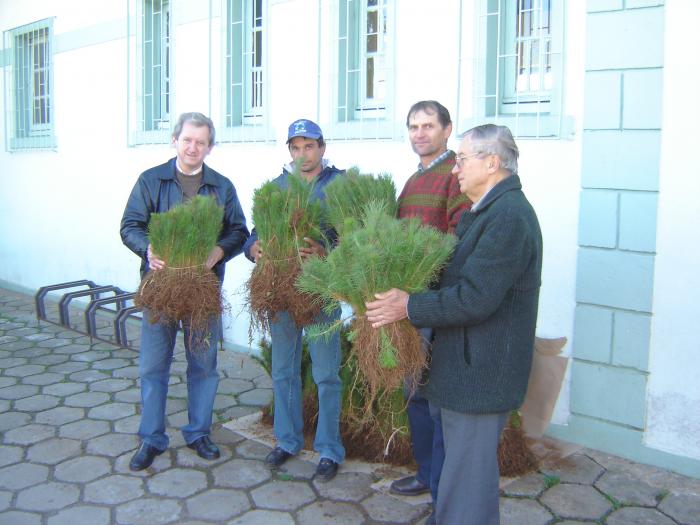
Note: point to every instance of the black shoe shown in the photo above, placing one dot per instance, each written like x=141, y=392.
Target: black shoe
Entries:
x=326, y=470
x=278, y=456
x=205, y=448
x=144, y=456
x=408, y=486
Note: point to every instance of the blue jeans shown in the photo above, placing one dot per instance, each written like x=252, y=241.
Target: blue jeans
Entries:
x=426, y=431
x=426, y=438
x=286, y=382
x=155, y=357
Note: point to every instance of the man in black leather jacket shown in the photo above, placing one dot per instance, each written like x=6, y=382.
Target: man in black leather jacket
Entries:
x=157, y=190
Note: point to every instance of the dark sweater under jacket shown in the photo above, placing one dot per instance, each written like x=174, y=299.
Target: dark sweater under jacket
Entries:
x=485, y=311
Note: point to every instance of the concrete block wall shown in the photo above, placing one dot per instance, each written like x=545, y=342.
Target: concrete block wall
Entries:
x=617, y=223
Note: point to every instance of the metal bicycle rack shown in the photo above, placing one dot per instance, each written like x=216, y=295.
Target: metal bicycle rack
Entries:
x=123, y=308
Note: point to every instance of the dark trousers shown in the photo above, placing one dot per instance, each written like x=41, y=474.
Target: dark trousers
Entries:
x=426, y=438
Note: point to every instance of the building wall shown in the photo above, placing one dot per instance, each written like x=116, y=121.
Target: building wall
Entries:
x=60, y=210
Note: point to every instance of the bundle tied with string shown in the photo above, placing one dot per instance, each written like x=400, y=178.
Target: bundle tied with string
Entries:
x=378, y=252
x=185, y=290
x=283, y=216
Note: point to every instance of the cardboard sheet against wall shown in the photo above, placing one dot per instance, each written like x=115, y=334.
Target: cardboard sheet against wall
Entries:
x=546, y=376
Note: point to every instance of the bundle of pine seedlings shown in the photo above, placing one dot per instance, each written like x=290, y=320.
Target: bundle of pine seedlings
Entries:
x=348, y=195
x=383, y=253
x=283, y=216
x=185, y=290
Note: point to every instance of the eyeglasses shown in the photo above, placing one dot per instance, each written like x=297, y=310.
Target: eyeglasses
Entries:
x=461, y=158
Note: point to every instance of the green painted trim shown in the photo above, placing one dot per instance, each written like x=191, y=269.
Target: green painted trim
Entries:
x=621, y=441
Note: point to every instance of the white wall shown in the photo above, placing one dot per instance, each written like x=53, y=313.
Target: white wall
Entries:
x=673, y=402
x=60, y=210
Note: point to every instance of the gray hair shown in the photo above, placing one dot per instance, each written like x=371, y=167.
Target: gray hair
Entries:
x=490, y=139
x=196, y=119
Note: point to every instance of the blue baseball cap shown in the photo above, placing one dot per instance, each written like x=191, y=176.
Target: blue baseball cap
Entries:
x=304, y=128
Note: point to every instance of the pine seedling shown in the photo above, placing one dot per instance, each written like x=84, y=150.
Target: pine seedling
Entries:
x=347, y=196
x=283, y=216
x=185, y=290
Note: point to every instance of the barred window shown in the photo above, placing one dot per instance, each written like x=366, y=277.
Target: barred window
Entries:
x=245, y=37
x=365, y=65
x=29, y=116
x=150, y=87
x=519, y=66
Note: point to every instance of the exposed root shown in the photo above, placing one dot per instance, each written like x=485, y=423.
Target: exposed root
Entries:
x=515, y=457
x=271, y=290
x=191, y=295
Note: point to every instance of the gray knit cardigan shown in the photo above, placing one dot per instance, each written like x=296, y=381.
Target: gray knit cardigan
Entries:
x=485, y=311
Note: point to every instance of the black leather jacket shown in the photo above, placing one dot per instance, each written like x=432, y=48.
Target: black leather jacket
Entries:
x=157, y=190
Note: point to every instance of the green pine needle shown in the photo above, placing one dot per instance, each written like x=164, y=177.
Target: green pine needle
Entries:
x=348, y=195
x=384, y=253
x=284, y=216
x=185, y=235
x=387, y=353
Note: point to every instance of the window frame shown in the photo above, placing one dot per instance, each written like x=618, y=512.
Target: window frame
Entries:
x=535, y=115
x=245, y=73
x=146, y=124
x=350, y=115
x=22, y=131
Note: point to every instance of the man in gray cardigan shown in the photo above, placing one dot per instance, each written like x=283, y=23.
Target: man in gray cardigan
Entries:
x=484, y=315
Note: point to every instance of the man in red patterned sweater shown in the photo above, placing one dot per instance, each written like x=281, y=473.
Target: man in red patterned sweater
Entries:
x=432, y=193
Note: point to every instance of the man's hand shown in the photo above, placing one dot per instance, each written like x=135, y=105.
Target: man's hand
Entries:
x=256, y=251
x=215, y=256
x=390, y=306
x=314, y=248
x=154, y=262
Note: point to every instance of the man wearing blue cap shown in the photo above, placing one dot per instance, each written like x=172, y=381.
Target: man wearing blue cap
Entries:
x=305, y=141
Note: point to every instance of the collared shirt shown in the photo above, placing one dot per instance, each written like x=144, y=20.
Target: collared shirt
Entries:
x=177, y=165
x=437, y=160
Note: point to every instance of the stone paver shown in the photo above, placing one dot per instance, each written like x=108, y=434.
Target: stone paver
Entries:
x=114, y=489
x=268, y=517
x=346, y=486
x=48, y=496
x=218, y=504
x=240, y=473
x=684, y=508
x=515, y=511
x=69, y=414
x=148, y=511
x=382, y=507
x=177, y=483
x=29, y=434
x=82, y=469
x=638, y=516
x=627, y=489
x=53, y=451
x=282, y=495
x=36, y=403
x=331, y=513
x=576, y=501
x=81, y=515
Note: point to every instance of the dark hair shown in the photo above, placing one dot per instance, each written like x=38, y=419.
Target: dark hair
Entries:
x=320, y=141
x=431, y=107
x=196, y=119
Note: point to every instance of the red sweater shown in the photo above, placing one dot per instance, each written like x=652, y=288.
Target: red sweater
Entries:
x=433, y=195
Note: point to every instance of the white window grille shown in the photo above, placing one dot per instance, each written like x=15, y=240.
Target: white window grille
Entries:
x=151, y=71
x=29, y=114
x=519, y=70
x=365, y=65
x=245, y=48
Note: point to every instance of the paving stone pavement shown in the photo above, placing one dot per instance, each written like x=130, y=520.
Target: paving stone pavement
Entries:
x=69, y=410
